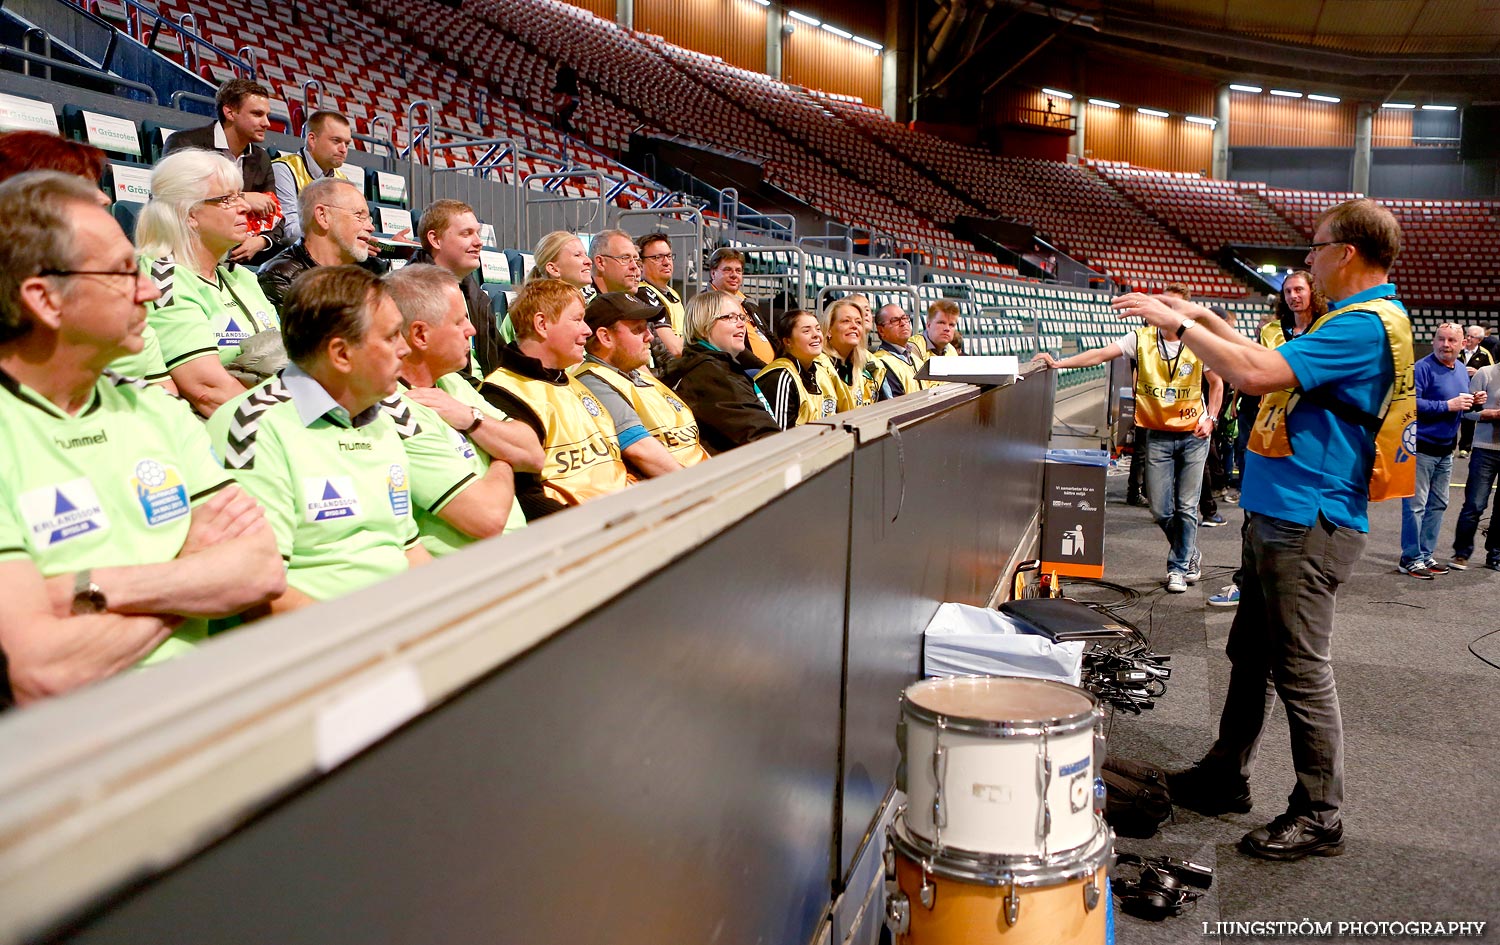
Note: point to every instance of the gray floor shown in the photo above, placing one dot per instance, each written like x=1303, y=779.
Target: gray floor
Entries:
x=1422, y=729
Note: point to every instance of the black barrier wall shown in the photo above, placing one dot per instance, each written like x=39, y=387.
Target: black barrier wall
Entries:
x=695, y=759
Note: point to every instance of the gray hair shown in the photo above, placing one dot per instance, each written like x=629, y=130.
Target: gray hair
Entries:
x=36, y=233
x=319, y=193
x=420, y=292
x=601, y=240
x=178, y=183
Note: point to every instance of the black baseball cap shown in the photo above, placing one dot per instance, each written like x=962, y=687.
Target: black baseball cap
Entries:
x=610, y=307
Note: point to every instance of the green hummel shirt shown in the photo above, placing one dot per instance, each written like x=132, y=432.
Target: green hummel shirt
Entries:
x=112, y=486
x=445, y=462
x=335, y=488
x=147, y=364
x=194, y=318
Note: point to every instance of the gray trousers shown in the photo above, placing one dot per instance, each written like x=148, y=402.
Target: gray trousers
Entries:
x=1283, y=631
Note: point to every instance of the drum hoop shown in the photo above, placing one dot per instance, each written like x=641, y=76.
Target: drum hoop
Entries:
x=993, y=869
x=1008, y=728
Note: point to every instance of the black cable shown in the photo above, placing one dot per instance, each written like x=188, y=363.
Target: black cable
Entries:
x=1476, y=652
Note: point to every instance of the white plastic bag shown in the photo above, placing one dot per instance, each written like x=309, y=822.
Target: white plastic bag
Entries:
x=972, y=641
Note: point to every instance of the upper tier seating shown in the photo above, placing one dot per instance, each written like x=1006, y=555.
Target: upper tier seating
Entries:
x=1208, y=213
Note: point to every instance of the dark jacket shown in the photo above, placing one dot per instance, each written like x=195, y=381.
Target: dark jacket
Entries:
x=1479, y=359
x=721, y=396
x=276, y=276
x=258, y=177
x=487, y=340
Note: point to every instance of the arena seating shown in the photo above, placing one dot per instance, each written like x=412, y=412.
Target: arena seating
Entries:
x=1207, y=213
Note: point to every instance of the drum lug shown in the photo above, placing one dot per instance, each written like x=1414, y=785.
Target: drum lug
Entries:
x=1012, y=906
x=1091, y=893
x=927, y=893
x=898, y=913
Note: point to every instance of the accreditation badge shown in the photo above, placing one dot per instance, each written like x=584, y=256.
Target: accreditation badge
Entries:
x=160, y=491
x=398, y=490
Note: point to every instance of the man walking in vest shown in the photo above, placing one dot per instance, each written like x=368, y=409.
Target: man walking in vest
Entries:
x=1169, y=401
x=1337, y=407
x=323, y=153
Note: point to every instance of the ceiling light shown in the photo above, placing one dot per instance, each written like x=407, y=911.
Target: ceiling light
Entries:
x=764, y=3
x=862, y=41
x=803, y=18
x=1202, y=121
x=1285, y=94
x=1153, y=113
x=1246, y=88
x=1406, y=105
x=1056, y=94
x=1333, y=99
x=838, y=32
x=1102, y=103
x=1439, y=108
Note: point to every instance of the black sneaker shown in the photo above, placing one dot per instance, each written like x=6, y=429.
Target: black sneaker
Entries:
x=1293, y=836
x=1214, y=521
x=1436, y=568
x=1209, y=791
x=1416, y=569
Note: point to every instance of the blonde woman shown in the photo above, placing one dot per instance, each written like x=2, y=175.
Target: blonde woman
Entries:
x=197, y=214
x=861, y=376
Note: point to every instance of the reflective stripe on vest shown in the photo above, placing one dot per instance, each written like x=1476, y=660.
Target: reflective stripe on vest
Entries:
x=663, y=415
x=298, y=168
x=582, y=450
x=1394, y=474
x=1166, y=403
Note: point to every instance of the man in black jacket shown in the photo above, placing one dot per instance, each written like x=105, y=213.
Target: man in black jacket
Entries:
x=244, y=109
x=336, y=232
x=450, y=237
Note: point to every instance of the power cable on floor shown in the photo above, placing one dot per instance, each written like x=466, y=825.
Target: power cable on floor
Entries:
x=1476, y=652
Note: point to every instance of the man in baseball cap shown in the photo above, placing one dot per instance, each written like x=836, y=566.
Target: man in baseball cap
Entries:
x=657, y=431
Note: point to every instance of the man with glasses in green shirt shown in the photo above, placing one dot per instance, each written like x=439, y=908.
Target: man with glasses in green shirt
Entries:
x=119, y=534
x=315, y=447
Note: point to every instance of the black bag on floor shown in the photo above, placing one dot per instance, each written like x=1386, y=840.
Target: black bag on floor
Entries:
x=1136, y=799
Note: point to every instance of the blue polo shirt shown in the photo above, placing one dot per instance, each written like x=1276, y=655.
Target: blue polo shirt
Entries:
x=1328, y=472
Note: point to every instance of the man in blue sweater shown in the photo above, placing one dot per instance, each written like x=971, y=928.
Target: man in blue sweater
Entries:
x=1442, y=397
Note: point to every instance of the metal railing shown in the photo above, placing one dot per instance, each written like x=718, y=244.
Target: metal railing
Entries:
x=69, y=67
x=548, y=197
x=762, y=278
x=135, y=11
x=697, y=235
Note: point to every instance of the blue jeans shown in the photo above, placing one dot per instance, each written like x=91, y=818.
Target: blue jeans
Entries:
x=1422, y=513
x=1174, y=479
x=1484, y=465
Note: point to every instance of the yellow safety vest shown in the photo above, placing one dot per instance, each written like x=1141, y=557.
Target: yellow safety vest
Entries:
x=865, y=388
x=582, y=451
x=1272, y=335
x=664, y=416
x=817, y=406
x=924, y=353
x=299, y=170
x=1168, y=392
x=905, y=373
x=1394, y=474
x=673, y=304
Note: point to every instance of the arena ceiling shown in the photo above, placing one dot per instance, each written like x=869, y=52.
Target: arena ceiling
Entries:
x=1375, y=49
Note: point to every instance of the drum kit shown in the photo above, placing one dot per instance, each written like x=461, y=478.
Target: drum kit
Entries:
x=1001, y=838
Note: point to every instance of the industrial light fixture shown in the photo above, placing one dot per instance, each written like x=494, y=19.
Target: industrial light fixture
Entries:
x=1285, y=94
x=862, y=41
x=1439, y=108
x=1056, y=94
x=1332, y=99
x=1253, y=89
x=1102, y=103
x=1408, y=106
x=1153, y=113
x=838, y=32
x=764, y=3
x=803, y=18
x=1210, y=122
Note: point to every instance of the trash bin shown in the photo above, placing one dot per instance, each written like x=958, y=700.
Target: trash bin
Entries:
x=1073, y=514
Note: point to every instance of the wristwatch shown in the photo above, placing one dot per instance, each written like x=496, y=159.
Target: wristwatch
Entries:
x=478, y=419
x=88, y=597
x=1186, y=324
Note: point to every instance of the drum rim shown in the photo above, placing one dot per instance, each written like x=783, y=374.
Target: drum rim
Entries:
x=1057, y=725
x=993, y=869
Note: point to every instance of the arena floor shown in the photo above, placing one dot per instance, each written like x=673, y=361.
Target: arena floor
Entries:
x=1422, y=729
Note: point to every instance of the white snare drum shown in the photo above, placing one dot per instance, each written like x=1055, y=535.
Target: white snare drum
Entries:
x=1001, y=765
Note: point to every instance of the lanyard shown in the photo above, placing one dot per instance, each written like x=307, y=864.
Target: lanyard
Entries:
x=224, y=284
x=1161, y=349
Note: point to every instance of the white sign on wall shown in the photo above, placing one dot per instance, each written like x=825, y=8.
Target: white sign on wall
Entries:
x=130, y=184
x=109, y=133
x=25, y=114
x=390, y=188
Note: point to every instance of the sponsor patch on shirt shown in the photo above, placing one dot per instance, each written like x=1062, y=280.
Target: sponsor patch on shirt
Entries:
x=461, y=444
x=398, y=490
x=232, y=336
x=160, y=491
x=61, y=512
x=330, y=497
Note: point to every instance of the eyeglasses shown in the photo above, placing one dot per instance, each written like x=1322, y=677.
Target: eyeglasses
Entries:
x=898, y=320
x=131, y=273
x=737, y=317
x=1316, y=246
x=626, y=260
x=225, y=201
x=657, y=256
x=727, y=271
x=362, y=216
